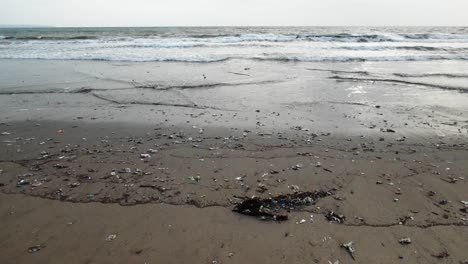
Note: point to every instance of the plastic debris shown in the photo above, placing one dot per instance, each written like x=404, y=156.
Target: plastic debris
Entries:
x=388, y=130
x=35, y=249
x=145, y=156
x=196, y=178
x=405, y=241
x=335, y=218
x=22, y=182
x=74, y=185
x=60, y=131
x=111, y=237
x=349, y=247
x=297, y=166
x=5, y=133
x=276, y=208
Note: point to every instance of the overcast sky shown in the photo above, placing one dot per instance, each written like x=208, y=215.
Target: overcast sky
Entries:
x=234, y=12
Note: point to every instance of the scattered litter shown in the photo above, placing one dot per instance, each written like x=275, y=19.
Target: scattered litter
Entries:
x=35, y=249
x=196, y=178
x=450, y=180
x=261, y=188
x=22, y=182
x=111, y=237
x=405, y=241
x=60, y=131
x=297, y=166
x=334, y=217
x=349, y=247
x=402, y=220
x=74, y=185
x=302, y=221
x=145, y=156
x=60, y=166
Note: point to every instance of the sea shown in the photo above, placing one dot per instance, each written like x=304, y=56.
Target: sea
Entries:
x=215, y=44
x=326, y=75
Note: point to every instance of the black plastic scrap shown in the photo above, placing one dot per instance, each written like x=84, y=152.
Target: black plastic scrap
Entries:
x=274, y=208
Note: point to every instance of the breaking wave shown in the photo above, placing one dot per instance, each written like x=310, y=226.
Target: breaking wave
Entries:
x=264, y=58
x=256, y=37
x=207, y=45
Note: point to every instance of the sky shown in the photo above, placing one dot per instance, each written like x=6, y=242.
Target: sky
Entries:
x=234, y=12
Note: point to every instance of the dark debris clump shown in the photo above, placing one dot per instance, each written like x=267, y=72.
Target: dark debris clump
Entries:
x=275, y=208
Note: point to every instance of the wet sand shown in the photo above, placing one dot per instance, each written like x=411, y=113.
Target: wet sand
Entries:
x=391, y=157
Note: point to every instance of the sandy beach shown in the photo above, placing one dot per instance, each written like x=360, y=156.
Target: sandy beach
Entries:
x=119, y=162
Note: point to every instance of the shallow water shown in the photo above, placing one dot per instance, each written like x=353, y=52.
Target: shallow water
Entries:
x=329, y=78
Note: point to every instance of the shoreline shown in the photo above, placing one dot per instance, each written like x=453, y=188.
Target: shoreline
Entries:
x=391, y=160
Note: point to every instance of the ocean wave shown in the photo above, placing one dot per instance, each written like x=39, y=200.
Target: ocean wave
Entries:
x=256, y=58
x=49, y=37
x=434, y=36
x=345, y=37
x=213, y=35
x=416, y=48
x=117, y=59
x=358, y=59
x=423, y=75
x=259, y=37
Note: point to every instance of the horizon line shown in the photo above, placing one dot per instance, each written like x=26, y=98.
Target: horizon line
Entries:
x=212, y=26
